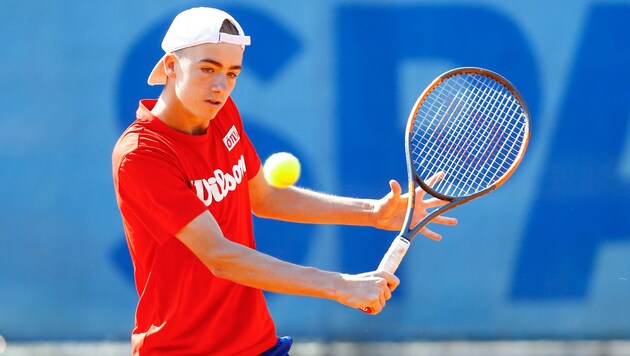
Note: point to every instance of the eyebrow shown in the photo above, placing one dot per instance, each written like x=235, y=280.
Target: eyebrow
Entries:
x=218, y=64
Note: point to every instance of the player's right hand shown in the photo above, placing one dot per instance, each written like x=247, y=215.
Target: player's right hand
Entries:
x=367, y=290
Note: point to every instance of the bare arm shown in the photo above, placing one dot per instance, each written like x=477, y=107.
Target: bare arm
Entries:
x=302, y=205
x=240, y=264
x=306, y=206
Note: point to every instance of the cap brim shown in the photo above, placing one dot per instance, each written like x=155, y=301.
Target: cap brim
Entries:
x=158, y=76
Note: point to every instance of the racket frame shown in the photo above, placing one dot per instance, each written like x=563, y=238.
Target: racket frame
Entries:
x=412, y=174
x=398, y=248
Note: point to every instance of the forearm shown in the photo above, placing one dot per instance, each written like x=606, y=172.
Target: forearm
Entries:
x=243, y=265
x=301, y=205
x=249, y=267
x=306, y=206
x=240, y=264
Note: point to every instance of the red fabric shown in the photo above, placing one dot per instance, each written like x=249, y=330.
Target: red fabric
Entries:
x=164, y=179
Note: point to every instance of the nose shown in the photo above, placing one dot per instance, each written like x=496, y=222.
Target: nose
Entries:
x=219, y=83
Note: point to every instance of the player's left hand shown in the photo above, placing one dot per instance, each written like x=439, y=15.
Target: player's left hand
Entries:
x=390, y=210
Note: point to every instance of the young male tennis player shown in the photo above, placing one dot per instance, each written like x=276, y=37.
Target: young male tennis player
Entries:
x=187, y=180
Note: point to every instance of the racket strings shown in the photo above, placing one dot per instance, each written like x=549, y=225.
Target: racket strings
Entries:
x=474, y=132
x=471, y=128
x=451, y=162
x=492, y=142
x=462, y=126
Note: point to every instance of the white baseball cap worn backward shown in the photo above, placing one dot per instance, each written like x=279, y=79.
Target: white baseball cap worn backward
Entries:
x=193, y=27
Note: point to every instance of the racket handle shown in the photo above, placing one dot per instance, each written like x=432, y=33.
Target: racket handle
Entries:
x=391, y=261
x=394, y=255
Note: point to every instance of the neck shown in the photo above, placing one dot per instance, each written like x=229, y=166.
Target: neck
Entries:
x=174, y=115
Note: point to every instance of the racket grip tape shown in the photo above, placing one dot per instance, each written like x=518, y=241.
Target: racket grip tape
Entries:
x=391, y=261
x=394, y=255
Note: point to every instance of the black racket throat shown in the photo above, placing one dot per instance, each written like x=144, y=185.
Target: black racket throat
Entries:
x=409, y=233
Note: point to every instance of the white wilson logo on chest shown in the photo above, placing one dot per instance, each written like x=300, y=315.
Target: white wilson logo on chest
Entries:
x=218, y=186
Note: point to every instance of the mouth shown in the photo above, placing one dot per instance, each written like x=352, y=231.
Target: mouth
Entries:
x=214, y=102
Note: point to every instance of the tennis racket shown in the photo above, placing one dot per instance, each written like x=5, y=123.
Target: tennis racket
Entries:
x=466, y=134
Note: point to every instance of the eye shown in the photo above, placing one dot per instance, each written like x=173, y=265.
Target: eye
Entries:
x=233, y=75
x=207, y=69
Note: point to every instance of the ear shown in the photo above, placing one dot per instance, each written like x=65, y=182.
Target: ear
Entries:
x=169, y=65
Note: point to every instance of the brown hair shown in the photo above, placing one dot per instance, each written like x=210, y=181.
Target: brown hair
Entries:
x=228, y=27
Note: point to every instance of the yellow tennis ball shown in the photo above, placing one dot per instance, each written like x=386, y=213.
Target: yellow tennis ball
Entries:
x=282, y=169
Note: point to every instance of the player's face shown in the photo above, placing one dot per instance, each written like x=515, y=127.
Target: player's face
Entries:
x=205, y=76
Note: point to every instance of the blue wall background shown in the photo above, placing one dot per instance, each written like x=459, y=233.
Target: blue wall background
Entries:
x=546, y=256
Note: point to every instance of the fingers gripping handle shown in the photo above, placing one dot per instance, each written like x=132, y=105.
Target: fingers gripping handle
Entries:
x=391, y=260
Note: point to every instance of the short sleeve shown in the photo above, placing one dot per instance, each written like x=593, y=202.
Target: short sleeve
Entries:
x=154, y=192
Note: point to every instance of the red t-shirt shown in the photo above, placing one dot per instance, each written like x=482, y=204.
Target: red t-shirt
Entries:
x=164, y=179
